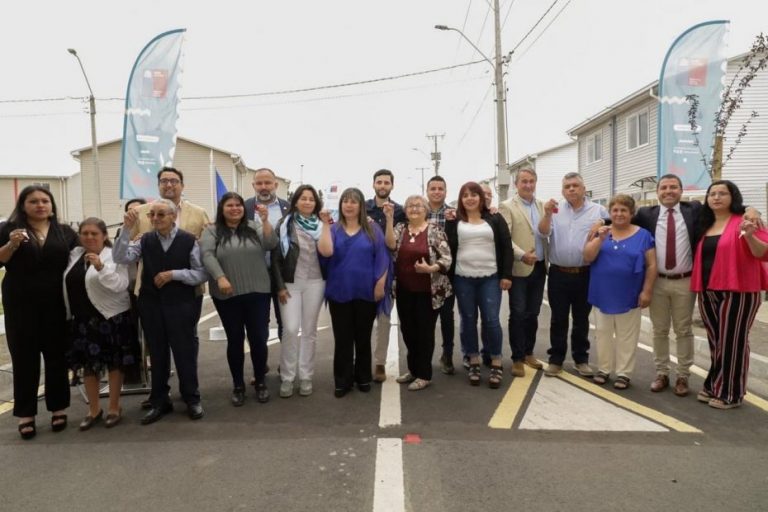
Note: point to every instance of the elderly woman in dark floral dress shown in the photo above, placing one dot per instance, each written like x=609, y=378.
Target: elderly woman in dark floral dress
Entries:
x=422, y=259
x=98, y=305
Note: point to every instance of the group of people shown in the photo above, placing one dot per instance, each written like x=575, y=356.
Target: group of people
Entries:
x=72, y=297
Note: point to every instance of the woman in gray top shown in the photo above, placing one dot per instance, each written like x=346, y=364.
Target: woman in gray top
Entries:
x=234, y=250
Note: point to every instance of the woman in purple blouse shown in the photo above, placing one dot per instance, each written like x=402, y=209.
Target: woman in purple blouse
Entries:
x=358, y=265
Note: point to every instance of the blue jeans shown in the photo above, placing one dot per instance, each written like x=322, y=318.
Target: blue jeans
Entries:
x=483, y=294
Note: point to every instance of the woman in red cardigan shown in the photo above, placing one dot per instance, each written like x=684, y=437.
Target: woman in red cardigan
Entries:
x=728, y=276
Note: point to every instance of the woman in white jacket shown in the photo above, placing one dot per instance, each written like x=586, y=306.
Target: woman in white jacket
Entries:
x=96, y=296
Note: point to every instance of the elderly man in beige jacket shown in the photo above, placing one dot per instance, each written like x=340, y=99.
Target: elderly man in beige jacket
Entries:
x=522, y=213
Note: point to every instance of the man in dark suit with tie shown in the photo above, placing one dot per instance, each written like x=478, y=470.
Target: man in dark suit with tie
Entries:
x=674, y=225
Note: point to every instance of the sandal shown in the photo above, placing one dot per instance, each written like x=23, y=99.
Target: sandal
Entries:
x=496, y=377
x=704, y=396
x=600, y=378
x=719, y=403
x=27, y=430
x=474, y=374
x=58, y=422
x=622, y=382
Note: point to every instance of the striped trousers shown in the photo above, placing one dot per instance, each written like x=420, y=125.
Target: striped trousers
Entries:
x=728, y=317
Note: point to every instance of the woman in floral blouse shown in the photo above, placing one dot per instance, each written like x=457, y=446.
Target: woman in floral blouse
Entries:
x=422, y=258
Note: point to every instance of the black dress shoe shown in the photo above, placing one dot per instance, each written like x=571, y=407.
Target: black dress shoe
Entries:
x=156, y=413
x=146, y=404
x=195, y=411
x=238, y=397
x=340, y=392
x=262, y=393
x=365, y=388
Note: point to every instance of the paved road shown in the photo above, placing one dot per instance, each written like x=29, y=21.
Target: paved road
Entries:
x=536, y=444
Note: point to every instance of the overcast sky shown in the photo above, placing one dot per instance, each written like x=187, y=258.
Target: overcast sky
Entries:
x=594, y=53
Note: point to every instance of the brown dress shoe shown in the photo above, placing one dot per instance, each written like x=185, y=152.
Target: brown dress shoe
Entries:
x=518, y=369
x=533, y=362
x=379, y=374
x=681, y=386
x=660, y=384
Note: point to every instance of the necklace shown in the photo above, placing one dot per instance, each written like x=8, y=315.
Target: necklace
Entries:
x=414, y=235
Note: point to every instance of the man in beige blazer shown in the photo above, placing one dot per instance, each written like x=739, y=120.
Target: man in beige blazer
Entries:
x=189, y=217
x=522, y=213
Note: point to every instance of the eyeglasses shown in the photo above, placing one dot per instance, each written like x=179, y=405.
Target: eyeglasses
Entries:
x=159, y=215
x=170, y=181
x=415, y=206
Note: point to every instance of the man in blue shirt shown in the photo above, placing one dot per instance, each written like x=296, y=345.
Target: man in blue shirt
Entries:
x=383, y=183
x=567, y=224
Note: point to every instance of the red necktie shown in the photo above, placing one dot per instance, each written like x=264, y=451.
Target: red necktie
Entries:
x=670, y=261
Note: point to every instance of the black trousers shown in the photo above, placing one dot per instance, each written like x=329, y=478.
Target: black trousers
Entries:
x=417, y=323
x=241, y=313
x=352, y=325
x=31, y=332
x=568, y=297
x=171, y=327
x=447, y=328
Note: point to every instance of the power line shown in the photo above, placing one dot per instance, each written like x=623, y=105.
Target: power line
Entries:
x=534, y=26
x=545, y=29
x=509, y=8
x=474, y=117
x=274, y=93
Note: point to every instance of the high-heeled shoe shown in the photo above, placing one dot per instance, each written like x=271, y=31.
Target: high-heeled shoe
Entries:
x=90, y=421
x=27, y=430
x=58, y=422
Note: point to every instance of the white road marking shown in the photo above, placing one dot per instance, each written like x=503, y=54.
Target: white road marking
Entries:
x=389, y=489
x=557, y=405
x=390, y=414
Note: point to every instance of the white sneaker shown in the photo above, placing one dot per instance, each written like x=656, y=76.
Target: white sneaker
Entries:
x=418, y=384
x=305, y=387
x=405, y=378
x=286, y=389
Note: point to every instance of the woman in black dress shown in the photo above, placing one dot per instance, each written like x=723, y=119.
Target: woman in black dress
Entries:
x=96, y=295
x=34, y=248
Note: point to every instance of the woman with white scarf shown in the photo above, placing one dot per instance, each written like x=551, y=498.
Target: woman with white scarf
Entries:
x=300, y=282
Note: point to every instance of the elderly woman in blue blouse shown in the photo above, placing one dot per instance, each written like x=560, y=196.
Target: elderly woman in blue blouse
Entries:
x=98, y=305
x=233, y=250
x=623, y=270
x=422, y=259
x=358, y=268
x=298, y=278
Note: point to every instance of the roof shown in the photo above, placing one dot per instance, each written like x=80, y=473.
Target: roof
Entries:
x=75, y=153
x=533, y=156
x=627, y=101
x=27, y=174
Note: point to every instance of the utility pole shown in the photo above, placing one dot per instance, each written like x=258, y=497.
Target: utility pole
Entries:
x=501, y=132
x=422, y=169
x=502, y=172
x=436, y=153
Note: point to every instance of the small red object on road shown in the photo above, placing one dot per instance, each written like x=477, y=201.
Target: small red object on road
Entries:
x=412, y=439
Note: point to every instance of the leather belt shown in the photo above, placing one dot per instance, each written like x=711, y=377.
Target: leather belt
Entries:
x=674, y=277
x=569, y=270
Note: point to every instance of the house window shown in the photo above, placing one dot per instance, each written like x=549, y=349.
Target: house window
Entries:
x=594, y=148
x=637, y=129
x=46, y=186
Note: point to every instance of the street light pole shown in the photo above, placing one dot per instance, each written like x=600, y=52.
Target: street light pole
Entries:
x=94, y=146
x=502, y=172
x=422, y=169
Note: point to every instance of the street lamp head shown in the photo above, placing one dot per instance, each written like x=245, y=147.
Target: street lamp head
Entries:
x=72, y=51
x=442, y=27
